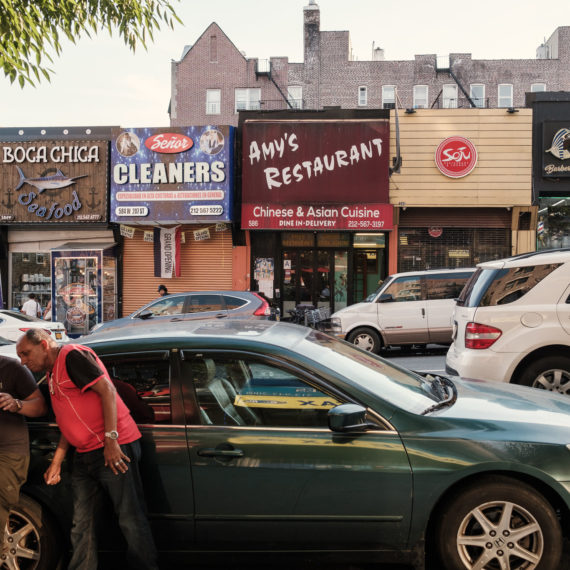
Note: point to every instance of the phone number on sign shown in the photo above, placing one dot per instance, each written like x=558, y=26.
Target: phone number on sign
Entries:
x=365, y=224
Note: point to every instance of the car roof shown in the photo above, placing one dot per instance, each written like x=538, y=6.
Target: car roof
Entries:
x=433, y=271
x=270, y=332
x=545, y=256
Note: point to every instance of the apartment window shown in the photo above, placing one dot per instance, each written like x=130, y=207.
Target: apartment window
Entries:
x=449, y=96
x=538, y=87
x=213, y=49
x=388, y=96
x=362, y=96
x=477, y=94
x=295, y=96
x=420, y=96
x=505, y=95
x=213, y=100
x=248, y=99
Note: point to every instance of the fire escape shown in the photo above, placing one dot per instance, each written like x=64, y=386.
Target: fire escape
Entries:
x=443, y=65
x=263, y=69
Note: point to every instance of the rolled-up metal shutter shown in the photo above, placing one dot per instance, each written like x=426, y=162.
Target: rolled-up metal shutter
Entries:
x=205, y=264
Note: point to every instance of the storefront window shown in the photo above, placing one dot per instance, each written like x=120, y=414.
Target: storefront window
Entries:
x=30, y=274
x=553, y=229
x=424, y=248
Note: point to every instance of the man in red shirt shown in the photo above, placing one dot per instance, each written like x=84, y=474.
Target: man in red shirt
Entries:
x=93, y=419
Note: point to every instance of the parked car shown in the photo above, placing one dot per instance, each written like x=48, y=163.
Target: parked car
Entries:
x=197, y=305
x=412, y=308
x=512, y=322
x=13, y=324
x=277, y=439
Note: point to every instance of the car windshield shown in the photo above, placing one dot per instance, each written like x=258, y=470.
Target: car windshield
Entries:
x=381, y=285
x=399, y=386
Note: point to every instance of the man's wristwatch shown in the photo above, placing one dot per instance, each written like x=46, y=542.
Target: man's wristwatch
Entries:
x=18, y=404
x=113, y=434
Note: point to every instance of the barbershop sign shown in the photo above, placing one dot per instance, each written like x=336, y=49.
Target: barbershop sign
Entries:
x=316, y=175
x=53, y=181
x=172, y=175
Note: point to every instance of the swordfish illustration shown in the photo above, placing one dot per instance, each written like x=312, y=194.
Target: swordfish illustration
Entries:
x=57, y=180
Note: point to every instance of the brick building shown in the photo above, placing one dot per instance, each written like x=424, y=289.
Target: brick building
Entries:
x=213, y=80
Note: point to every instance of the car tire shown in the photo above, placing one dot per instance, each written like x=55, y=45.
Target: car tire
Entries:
x=461, y=540
x=548, y=373
x=365, y=338
x=31, y=539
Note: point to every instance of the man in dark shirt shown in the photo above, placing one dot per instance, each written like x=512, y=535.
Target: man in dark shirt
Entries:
x=19, y=397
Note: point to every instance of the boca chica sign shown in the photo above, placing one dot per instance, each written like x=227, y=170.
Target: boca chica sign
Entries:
x=456, y=157
x=316, y=174
x=53, y=181
x=172, y=174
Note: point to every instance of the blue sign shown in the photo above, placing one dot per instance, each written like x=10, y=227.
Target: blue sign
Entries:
x=172, y=175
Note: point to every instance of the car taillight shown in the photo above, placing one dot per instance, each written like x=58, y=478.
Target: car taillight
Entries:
x=24, y=329
x=480, y=336
x=264, y=310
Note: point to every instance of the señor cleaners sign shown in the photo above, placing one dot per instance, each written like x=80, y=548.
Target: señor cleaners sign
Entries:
x=310, y=175
x=456, y=157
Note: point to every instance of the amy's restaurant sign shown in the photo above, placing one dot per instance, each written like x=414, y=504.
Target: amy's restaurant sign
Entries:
x=312, y=174
x=53, y=181
x=173, y=174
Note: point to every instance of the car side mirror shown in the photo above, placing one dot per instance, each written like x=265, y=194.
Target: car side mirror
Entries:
x=146, y=314
x=385, y=298
x=347, y=418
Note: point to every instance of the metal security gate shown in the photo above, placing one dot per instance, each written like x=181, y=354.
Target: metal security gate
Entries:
x=205, y=265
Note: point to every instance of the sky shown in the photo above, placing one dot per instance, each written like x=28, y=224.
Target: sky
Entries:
x=100, y=82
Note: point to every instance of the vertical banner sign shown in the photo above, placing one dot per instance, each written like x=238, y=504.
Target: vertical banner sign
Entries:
x=167, y=252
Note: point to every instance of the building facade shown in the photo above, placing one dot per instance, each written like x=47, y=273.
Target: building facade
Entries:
x=213, y=80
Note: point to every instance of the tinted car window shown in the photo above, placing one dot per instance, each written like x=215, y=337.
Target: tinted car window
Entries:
x=167, y=306
x=234, y=302
x=149, y=375
x=490, y=287
x=446, y=285
x=405, y=289
x=242, y=391
x=204, y=303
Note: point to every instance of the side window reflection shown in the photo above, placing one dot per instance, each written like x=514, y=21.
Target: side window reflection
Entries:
x=243, y=392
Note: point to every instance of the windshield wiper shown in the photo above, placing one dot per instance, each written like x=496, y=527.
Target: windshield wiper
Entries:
x=443, y=388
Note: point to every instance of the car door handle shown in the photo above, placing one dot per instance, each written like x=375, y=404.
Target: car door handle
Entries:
x=423, y=312
x=220, y=452
x=44, y=445
x=221, y=316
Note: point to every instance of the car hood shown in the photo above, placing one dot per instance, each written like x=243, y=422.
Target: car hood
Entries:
x=351, y=309
x=530, y=412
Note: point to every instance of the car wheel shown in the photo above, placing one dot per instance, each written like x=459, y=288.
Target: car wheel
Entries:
x=548, y=373
x=366, y=338
x=30, y=538
x=499, y=524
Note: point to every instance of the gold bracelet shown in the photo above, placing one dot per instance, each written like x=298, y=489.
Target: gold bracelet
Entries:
x=19, y=404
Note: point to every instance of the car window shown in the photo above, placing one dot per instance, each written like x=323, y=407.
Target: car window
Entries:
x=21, y=316
x=149, y=375
x=234, y=302
x=446, y=285
x=405, y=289
x=204, y=303
x=491, y=287
x=167, y=306
x=247, y=392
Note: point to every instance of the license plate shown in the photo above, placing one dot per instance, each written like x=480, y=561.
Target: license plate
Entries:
x=58, y=335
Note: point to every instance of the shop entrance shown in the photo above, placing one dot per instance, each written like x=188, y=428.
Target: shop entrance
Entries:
x=314, y=277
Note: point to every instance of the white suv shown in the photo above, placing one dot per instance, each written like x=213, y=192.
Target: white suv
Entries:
x=412, y=308
x=512, y=322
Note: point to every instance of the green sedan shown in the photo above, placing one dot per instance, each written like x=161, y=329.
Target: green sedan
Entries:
x=274, y=439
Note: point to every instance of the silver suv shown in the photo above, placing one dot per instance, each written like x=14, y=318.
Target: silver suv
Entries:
x=512, y=322
x=413, y=308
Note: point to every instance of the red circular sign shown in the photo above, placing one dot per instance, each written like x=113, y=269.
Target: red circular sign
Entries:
x=435, y=232
x=456, y=157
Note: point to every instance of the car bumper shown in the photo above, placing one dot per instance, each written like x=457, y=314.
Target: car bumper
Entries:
x=478, y=364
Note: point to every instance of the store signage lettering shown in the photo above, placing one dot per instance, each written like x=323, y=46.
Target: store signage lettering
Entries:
x=55, y=209
x=556, y=144
x=456, y=157
x=305, y=169
x=57, y=154
x=171, y=173
x=169, y=143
